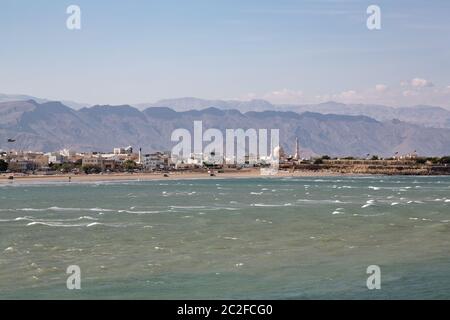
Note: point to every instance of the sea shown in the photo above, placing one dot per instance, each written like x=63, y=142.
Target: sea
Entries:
x=258, y=238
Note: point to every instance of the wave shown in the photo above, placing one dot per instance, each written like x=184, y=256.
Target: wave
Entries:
x=139, y=212
x=50, y=224
x=100, y=210
x=94, y=224
x=64, y=209
x=187, y=207
x=270, y=205
x=369, y=203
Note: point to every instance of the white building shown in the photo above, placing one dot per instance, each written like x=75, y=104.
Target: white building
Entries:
x=195, y=159
x=154, y=161
x=56, y=158
x=67, y=153
x=127, y=150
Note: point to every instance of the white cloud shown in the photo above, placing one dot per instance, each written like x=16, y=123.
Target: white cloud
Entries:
x=410, y=93
x=420, y=83
x=348, y=94
x=284, y=96
x=381, y=88
x=249, y=96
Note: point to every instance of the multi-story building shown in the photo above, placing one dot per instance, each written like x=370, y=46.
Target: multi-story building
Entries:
x=91, y=161
x=123, y=151
x=22, y=165
x=100, y=162
x=56, y=158
x=154, y=161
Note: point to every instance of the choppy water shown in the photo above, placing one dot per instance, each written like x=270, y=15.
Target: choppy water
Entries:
x=289, y=238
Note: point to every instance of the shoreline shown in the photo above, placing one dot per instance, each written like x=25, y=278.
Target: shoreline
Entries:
x=175, y=176
x=160, y=176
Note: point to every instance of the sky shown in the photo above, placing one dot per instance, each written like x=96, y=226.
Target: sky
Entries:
x=284, y=51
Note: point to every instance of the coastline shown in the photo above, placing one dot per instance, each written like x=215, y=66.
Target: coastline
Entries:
x=244, y=174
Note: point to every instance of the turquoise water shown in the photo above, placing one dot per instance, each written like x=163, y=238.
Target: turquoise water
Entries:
x=262, y=238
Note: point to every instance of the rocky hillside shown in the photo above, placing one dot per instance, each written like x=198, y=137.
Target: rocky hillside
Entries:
x=53, y=126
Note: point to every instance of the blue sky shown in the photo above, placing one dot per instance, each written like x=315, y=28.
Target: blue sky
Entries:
x=283, y=51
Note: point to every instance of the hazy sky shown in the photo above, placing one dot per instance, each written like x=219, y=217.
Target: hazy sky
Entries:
x=280, y=50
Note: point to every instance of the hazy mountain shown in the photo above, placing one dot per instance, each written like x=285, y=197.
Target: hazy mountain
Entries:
x=19, y=97
x=23, y=97
x=53, y=126
x=429, y=116
x=423, y=115
x=185, y=104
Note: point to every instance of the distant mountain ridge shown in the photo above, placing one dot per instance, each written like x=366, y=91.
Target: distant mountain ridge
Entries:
x=24, y=97
x=429, y=116
x=52, y=126
x=190, y=103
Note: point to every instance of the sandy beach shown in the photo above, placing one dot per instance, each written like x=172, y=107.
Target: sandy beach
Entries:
x=242, y=174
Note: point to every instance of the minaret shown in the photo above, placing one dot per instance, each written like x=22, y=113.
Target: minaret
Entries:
x=297, y=151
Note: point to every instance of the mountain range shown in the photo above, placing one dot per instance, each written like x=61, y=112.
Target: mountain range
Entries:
x=24, y=97
x=50, y=126
x=429, y=116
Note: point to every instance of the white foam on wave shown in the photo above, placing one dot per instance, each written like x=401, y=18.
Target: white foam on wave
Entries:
x=263, y=221
x=230, y=238
x=338, y=211
x=369, y=203
x=94, y=224
x=49, y=224
x=87, y=218
x=187, y=207
x=23, y=218
x=266, y=205
x=101, y=210
x=62, y=209
x=31, y=209
x=138, y=212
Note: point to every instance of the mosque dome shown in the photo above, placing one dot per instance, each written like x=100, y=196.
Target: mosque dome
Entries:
x=278, y=152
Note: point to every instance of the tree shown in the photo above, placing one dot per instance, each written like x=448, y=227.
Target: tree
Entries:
x=326, y=157
x=318, y=161
x=66, y=167
x=91, y=169
x=445, y=160
x=129, y=165
x=375, y=157
x=434, y=160
x=3, y=165
x=421, y=160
